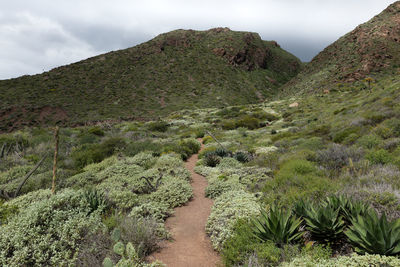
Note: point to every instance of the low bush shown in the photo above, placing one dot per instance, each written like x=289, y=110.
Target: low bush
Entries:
x=96, y=130
x=141, y=232
x=158, y=126
x=337, y=156
x=380, y=156
x=339, y=137
x=133, y=148
x=174, y=192
x=217, y=187
x=227, y=209
x=369, y=141
x=48, y=232
x=297, y=179
x=143, y=159
x=93, y=153
x=353, y=260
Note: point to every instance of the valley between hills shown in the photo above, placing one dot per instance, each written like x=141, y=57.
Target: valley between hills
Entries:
x=207, y=148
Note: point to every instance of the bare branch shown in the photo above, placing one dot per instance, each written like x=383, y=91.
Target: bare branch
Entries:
x=29, y=175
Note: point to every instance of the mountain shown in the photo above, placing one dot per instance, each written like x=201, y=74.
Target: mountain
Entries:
x=175, y=70
x=371, y=49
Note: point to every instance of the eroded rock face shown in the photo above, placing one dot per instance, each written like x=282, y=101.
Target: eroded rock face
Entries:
x=370, y=47
x=251, y=56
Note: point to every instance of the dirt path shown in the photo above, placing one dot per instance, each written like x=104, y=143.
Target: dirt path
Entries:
x=190, y=246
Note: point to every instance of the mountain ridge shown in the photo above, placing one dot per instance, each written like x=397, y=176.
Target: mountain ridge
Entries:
x=175, y=70
x=372, y=48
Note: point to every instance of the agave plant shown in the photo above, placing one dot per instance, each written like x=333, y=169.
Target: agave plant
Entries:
x=279, y=226
x=301, y=208
x=348, y=208
x=324, y=223
x=242, y=156
x=374, y=235
x=211, y=160
x=95, y=199
x=222, y=152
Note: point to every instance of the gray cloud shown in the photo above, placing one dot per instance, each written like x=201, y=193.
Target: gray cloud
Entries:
x=42, y=34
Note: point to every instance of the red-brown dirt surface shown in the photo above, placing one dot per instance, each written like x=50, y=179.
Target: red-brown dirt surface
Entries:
x=190, y=246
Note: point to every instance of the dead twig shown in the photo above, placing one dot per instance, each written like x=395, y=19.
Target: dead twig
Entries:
x=28, y=175
x=216, y=140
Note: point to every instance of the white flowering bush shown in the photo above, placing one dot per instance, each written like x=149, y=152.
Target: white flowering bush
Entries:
x=157, y=210
x=227, y=209
x=24, y=201
x=174, y=192
x=349, y=261
x=144, y=159
x=265, y=150
x=170, y=161
x=207, y=171
x=48, y=232
x=216, y=187
x=229, y=163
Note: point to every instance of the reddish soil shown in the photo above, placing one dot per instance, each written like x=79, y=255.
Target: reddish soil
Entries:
x=190, y=246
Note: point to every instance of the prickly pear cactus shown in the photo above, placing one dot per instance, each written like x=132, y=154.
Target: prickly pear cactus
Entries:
x=119, y=248
x=116, y=234
x=107, y=262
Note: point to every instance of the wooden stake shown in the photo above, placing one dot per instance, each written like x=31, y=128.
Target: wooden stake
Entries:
x=53, y=186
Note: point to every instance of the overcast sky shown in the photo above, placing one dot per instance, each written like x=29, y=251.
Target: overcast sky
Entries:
x=38, y=35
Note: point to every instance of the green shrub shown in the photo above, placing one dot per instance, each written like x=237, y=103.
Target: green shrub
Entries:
x=134, y=148
x=277, y=226
x=245, y=121
x=96, y=130
x=380, y=156
x=188, y=147
x=240, y=244
x=374, y=235
x=369, y=141
x=297, y=179
x=342, y=135
x=93, y=153
x=383, y=131
x=394, y=125
x=158, y=126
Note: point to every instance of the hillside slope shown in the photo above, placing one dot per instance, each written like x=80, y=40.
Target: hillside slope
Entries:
x=179, y=69
x=372, y=48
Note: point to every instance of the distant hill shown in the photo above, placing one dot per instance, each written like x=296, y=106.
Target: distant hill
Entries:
x=372, y=48
x=177, y=70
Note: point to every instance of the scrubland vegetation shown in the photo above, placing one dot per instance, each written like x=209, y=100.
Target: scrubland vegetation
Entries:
x=316, y=184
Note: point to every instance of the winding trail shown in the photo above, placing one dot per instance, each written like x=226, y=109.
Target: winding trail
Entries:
x=190, y=247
